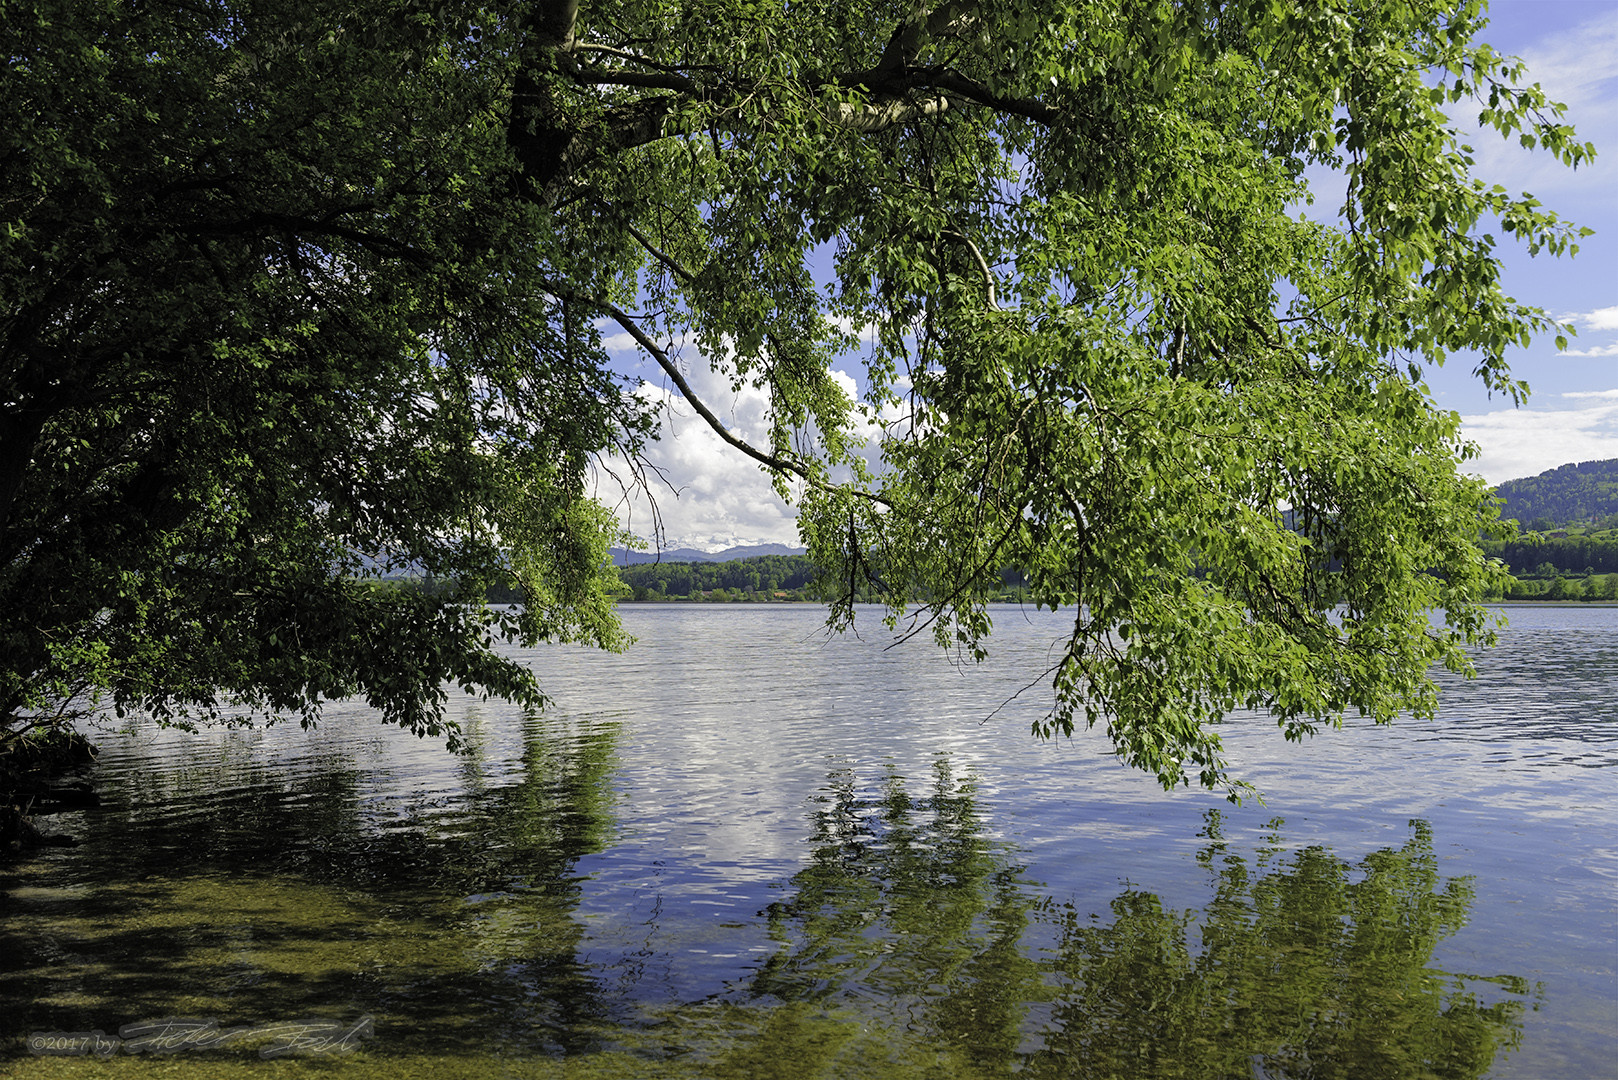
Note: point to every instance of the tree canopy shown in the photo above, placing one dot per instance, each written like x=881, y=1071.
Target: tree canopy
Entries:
x=288, y=289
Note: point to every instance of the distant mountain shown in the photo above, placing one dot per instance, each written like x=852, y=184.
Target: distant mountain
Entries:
x=1584, y=493
x=624, y=557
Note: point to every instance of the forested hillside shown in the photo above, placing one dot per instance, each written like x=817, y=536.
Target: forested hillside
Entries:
x=1585, y=493
x=1568, y=547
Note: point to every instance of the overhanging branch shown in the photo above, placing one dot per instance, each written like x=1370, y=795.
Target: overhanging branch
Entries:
x=672, y=370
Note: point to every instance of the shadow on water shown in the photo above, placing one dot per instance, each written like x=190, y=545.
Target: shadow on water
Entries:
x=262, y=897
x=910, y=944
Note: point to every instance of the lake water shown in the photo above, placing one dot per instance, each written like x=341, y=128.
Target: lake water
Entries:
x=743, y=849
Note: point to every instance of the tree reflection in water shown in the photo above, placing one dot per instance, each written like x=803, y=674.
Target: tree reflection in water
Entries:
x=1300, y=965
x=911, y=945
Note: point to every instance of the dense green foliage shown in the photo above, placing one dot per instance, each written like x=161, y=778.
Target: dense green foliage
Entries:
x=1580, y=493
x=285, y=284
x=266, y=309
x=1539, y=556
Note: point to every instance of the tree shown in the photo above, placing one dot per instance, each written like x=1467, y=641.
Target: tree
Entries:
x=269, y=321
x=292, y=284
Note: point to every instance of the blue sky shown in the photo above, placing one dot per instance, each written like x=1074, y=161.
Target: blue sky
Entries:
x=1571, y=47
x=716, y=498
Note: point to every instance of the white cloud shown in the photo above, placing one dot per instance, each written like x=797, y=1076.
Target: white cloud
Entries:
x=846, y=381
x=715, y=497
x=1600, y=319
x=1598, y=350
x=620, y=342
x=1525, y=442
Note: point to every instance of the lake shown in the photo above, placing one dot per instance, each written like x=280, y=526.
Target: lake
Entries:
x=745, y=849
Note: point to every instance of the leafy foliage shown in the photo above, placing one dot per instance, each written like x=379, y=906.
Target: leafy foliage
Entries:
x=288, y=282
x=266, y=312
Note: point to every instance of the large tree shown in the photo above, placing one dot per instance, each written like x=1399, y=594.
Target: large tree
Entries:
x=290, y=286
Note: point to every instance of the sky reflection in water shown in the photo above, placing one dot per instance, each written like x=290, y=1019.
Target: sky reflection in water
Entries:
x=741, y=850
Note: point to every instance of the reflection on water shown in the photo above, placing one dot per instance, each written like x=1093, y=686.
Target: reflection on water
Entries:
x=911, y=943
x=240, y=892
x=847, y=873
x=910, y=927
x=1307, y=966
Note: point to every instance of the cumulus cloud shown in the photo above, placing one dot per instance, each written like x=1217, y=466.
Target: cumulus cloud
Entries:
x=701, y=492
x=1596, y=350
x=1600, y=319
x=620, y=342
x=1525, y=442
x=707, y=494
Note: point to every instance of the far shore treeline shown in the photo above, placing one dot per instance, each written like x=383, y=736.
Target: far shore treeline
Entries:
x=1545, y=568
x=1571, y=566
x=1565, y=548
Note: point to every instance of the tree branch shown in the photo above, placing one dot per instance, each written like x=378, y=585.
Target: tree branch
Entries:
x=879, y=117
x=672, y=370
x=975, y=92
x=655, y=80
x=983, y=264
x=549, y=149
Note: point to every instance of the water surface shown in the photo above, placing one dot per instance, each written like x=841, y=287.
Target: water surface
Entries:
x=744, y=849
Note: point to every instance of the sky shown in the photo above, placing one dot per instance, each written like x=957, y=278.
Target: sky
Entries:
x=712, y=497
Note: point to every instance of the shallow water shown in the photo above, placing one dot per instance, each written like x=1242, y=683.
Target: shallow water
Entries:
x=743, y=849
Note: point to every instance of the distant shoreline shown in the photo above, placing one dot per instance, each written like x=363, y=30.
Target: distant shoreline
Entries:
x=1550, y=603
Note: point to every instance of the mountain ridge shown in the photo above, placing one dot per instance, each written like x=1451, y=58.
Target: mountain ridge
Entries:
x=626, y=557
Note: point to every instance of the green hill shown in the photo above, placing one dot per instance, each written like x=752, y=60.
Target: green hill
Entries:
x=1585, y=493
x=1569, y=546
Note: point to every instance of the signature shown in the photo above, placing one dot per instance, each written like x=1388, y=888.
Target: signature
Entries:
x=176, y=1033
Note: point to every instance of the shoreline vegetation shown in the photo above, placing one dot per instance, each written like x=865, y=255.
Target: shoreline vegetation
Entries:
x=1570, y=566
x=1567, y=566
